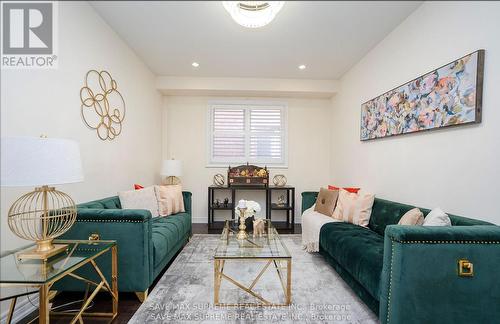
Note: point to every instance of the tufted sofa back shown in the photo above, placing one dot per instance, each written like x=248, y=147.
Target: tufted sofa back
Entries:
x=105, y=203
x=386, y=212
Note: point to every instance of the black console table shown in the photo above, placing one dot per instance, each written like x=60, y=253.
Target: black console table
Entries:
x=288, y=206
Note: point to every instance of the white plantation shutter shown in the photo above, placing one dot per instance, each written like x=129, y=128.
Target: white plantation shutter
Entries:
x=266, y=135
x=228, y=127
x=247, y=133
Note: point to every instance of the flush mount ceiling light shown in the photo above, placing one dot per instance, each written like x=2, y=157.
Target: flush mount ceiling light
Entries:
x=253, y=14
x=195, y=64
x=302, y=67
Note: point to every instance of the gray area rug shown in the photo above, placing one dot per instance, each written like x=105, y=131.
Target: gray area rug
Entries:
x=185, y=292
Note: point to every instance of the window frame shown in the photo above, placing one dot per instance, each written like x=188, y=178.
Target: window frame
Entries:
x=247, y=105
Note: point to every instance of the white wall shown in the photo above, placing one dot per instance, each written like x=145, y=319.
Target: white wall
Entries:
x=35, y=102
x=185, y=121
x=47, y=102
x=454, y=168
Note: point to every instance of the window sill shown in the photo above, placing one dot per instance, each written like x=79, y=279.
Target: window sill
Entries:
x=226, y=165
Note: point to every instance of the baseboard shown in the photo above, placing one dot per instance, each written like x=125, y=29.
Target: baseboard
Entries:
x=203, y=220
x=23, y=308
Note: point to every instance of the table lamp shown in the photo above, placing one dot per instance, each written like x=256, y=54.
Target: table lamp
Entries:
x=45, y=213
x=172, y=169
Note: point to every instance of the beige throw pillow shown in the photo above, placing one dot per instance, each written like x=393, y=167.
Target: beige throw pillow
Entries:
x=412, y=217
x=140, y=199
x=170, y=200
x=326, y=201
x=354, y=208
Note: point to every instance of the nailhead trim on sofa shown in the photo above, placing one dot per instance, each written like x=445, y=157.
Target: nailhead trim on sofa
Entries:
x=422, y=242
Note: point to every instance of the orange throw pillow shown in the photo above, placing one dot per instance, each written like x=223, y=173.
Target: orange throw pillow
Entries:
x=138, y=186
x=349, y=189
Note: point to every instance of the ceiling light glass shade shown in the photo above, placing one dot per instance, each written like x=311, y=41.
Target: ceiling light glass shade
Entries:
x=253, y=14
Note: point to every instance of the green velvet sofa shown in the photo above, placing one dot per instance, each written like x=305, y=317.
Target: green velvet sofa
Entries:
x=145, y=244
x=410, y=274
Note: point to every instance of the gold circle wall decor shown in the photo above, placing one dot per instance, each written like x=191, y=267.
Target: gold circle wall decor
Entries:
x=279, y=180
x=103, y=106
x=219, y=180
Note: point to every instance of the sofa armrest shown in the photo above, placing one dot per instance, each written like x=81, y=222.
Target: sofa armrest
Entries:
x=308, y=199
x=420, y=280
x=132, y=231
x=186, y=195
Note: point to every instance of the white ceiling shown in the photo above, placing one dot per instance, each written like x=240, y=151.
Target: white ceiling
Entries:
x=328, y=37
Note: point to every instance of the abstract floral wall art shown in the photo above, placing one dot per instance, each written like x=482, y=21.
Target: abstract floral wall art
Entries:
x=448, y=96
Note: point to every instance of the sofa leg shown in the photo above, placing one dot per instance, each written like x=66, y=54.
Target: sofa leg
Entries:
x=142, y=295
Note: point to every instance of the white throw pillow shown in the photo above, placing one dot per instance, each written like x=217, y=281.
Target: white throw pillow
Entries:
x=140, y=199
x=437, y=217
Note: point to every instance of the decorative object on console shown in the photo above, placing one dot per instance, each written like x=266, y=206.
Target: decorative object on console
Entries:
x=170, y=200
x=45, y=213
x=140, y=199
x=354, y=208
x=172, y=169
x=437, y=217
x=279, y=180
x=219, y=180
x=259, y=227
x=349, y=189
x=103, y=106
x=248, y=175
x=412, y=217
x=448, y=96
x=226, y=202
x=326, y=201
x=281, y=201
x=217, y=202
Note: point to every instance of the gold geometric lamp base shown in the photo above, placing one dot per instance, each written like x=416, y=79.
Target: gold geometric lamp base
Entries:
x=41, y=216
x=45, y=213
x=38, y=254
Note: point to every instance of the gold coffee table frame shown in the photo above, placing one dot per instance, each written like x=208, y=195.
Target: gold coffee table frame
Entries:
x=279, y=258
x=45, y=294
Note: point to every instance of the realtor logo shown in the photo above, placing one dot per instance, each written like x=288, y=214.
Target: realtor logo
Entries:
x=28, y=35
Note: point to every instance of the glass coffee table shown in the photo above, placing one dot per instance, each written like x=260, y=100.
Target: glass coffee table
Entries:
x=39, y=275
x=268, y=249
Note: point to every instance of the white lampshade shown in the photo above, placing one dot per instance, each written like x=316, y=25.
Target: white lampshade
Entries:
x=171, y=168
x=36, y=161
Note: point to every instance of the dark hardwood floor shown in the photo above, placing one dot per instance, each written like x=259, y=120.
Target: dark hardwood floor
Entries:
x=128, y=302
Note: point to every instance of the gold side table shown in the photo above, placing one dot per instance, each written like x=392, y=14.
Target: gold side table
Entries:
x=41, y=275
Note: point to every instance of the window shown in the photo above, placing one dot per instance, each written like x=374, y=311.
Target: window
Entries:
x=247, y=132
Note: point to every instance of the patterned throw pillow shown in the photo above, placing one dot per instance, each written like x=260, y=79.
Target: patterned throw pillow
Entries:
x=326, y=201
x=354, y=208
x=140, y=199
x=412, y=217
x=170, y=200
